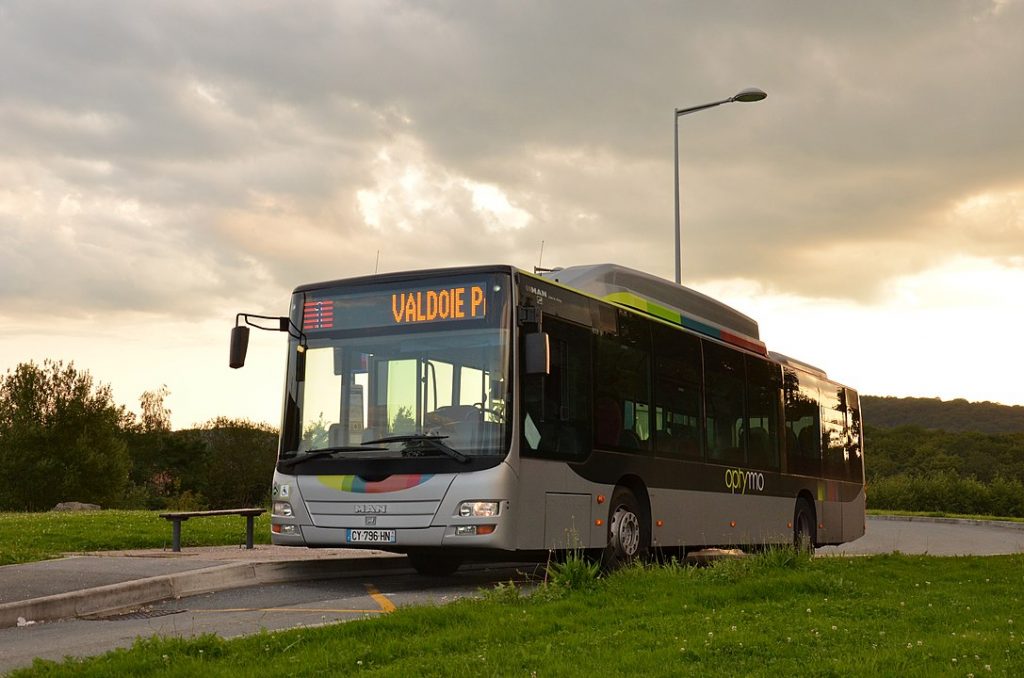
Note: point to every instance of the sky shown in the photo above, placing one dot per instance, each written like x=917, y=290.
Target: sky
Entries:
x=166, y=165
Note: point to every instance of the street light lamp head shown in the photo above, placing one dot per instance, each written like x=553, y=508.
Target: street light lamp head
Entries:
x=750, y=94
x=745, y=95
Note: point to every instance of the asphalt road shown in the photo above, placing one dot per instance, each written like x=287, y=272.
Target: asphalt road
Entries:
x=932, y=538
x=248, y=610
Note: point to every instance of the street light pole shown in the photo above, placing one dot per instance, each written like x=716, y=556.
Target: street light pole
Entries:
x=746, y=95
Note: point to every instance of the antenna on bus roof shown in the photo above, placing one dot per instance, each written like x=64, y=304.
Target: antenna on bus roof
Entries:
x=376, y=265
x=540, y=260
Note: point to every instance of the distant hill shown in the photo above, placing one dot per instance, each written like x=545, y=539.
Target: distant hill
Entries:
x=946, y=415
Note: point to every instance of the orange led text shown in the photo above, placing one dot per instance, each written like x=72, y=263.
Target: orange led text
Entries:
x=456, y=303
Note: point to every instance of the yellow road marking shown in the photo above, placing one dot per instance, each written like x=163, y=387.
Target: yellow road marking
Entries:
x=384, y=606
x=379, y=598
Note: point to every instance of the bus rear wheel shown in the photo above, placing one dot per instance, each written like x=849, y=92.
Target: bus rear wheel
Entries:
x=434, y=564
x=628, y=535
x=804, y=534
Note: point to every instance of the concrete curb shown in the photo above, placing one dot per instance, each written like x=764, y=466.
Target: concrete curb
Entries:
x=126, y=595
x=951, y=521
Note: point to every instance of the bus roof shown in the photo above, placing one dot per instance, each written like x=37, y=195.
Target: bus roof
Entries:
x=661, y=298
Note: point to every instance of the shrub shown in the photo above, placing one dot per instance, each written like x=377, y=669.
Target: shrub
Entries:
x=947, y=493
x=241, y=457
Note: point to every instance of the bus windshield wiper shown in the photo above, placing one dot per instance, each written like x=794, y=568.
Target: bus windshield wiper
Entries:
x=325, y=452
x=434, y=441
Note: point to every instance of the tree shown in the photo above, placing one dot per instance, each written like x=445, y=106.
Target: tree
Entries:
x=164, y=463
x=317, y=434
x=241, y=457
x=155, y=415
x=61, y=438
x=403, y=422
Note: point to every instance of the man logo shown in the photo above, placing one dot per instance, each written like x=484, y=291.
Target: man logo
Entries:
x=371, y=508
x=371, y=521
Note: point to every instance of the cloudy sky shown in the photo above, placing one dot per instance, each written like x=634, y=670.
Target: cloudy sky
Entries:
x=166, y=165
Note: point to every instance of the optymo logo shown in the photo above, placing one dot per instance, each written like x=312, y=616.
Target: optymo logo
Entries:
x=737, y=479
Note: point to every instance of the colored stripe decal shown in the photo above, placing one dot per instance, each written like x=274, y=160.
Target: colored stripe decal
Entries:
x=651, y=308
x=395, y=483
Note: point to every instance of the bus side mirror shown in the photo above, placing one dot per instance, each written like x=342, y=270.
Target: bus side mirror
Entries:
x=239, y=345
x=537, y=353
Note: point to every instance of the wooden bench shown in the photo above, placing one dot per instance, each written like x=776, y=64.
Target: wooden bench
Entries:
x=181, y=516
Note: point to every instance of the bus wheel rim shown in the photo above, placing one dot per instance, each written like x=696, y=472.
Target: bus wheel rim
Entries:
x=627, y=531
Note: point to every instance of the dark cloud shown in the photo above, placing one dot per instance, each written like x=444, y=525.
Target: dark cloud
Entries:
x=160, y=156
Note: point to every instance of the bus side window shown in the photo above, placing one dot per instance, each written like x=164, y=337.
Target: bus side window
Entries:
x=723, y=397
x=763, y=388
x=556, y=407
x=623, y=367
x=854, y=439
x=803, y=454
x=677, y=394
x=833, y=432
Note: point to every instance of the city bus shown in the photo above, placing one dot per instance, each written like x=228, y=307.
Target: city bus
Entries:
x=488, y=412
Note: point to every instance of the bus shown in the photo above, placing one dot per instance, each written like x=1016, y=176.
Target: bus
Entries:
x=488, y=412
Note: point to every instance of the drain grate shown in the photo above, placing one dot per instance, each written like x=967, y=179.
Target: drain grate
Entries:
x=137, y=614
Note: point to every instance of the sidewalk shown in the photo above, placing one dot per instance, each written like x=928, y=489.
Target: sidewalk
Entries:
x=97, y=583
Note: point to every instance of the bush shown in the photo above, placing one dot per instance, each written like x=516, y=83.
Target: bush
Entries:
x=240, y=462
x=225, y=463
x=164, y=465
x=947, y=493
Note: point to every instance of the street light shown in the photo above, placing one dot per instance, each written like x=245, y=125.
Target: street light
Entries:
x=746, y=95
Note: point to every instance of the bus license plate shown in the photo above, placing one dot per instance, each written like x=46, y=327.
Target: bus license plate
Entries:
x=371, y=537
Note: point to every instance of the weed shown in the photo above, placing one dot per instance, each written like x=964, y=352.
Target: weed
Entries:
x=502, y=592
x=781, y=557
x=574, y=572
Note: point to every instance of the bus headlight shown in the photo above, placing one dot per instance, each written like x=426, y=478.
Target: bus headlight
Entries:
x=282, y=508
x=478, y=509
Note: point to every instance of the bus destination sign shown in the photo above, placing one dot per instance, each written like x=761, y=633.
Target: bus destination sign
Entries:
x=465, y=302
x=441, y=302
x=318, y=315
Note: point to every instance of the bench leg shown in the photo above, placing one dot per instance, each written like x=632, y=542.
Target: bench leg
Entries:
x=176, y=536
x=249, y=520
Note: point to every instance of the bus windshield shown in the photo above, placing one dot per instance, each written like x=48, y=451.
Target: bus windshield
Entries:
x=400, y=370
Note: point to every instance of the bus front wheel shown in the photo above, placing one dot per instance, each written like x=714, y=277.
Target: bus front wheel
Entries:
x=803, y=527
x=628, y=535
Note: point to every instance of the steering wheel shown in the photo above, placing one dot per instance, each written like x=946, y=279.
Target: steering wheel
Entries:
x=497, y=414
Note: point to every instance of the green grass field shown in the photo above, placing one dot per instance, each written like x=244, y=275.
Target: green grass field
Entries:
x=771, y=615
x=27, y=537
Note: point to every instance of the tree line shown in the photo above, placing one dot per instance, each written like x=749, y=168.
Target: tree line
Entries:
x=63, y=438
x=924, y=454
x=945, y=415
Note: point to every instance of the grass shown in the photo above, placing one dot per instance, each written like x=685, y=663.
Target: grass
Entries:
x=769, y=615
x=29, y=537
